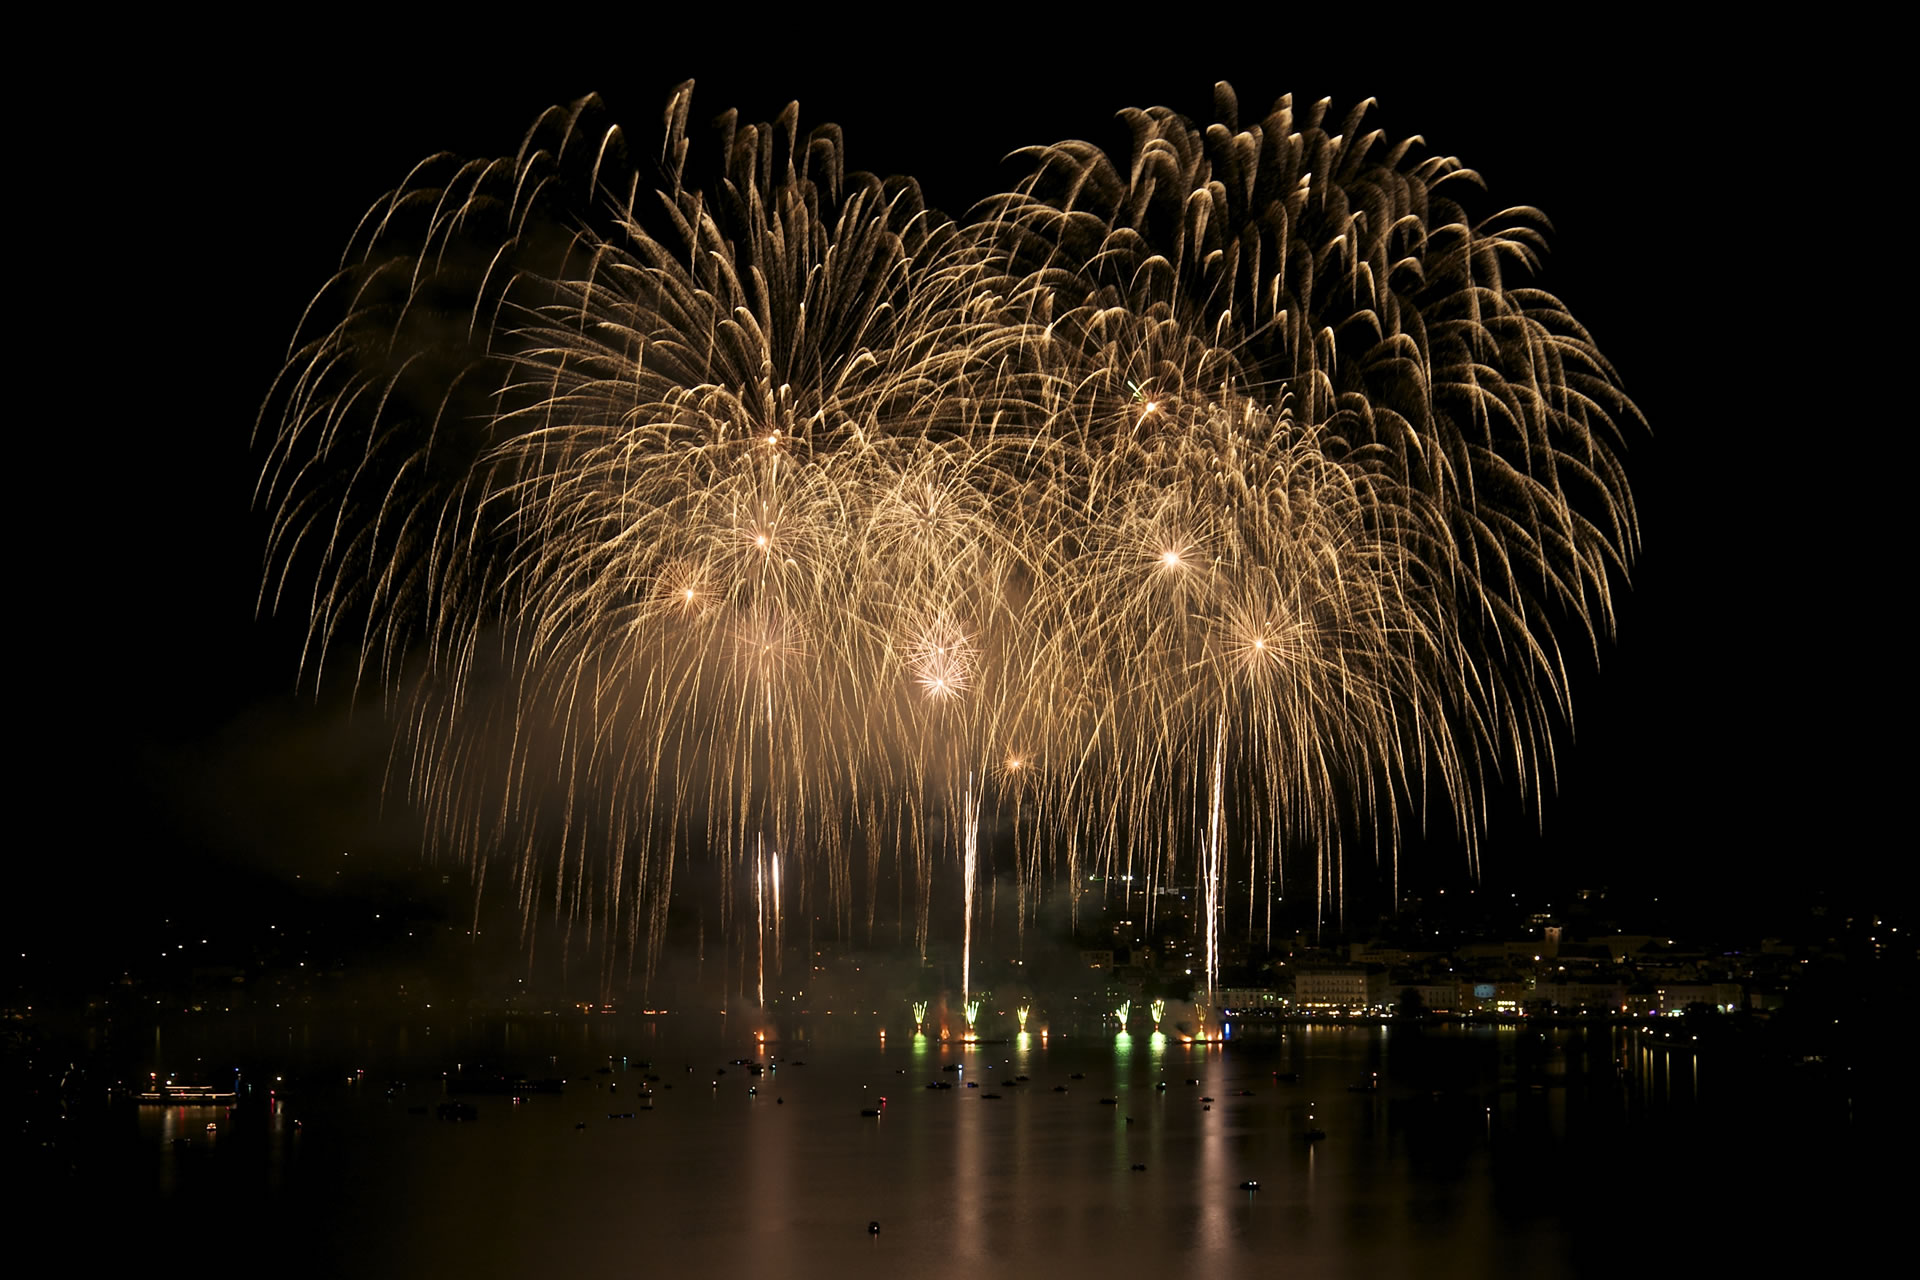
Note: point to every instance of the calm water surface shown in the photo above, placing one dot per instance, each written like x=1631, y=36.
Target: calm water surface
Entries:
x=1483, y=1151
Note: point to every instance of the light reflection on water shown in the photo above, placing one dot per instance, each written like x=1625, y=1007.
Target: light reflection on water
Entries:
x=1483, y=1150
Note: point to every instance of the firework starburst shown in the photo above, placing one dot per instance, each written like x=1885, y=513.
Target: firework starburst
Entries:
x=1220, y=499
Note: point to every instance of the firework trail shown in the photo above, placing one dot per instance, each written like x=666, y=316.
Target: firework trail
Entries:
x=692, y=500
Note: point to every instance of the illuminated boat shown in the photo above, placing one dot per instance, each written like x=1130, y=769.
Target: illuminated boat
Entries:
x=188, y=1095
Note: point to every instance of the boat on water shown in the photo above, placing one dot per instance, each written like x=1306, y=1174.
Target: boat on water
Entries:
x=503, y=1085
x=188, y=1095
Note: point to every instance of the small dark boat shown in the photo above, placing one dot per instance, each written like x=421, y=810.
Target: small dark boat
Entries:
x=504, y=1086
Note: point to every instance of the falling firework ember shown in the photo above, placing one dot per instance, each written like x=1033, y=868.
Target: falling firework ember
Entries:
x=696, y=502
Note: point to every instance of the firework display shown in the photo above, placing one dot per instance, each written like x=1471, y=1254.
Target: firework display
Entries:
x=1194, y=515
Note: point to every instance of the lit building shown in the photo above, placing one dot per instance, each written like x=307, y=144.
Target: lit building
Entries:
x=1242, y=1001
x=1338, y=989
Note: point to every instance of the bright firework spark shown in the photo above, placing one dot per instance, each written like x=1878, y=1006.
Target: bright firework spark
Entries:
x=1240, y=492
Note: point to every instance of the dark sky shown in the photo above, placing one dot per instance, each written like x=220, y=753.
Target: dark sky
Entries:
x=1739, y=739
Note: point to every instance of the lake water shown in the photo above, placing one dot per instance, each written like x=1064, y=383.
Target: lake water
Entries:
x=1483, y=1151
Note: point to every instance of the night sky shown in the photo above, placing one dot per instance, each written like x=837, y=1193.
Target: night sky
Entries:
x=1738, y=745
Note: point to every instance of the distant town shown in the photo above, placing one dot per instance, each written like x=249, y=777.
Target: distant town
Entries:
x=1471, y=954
